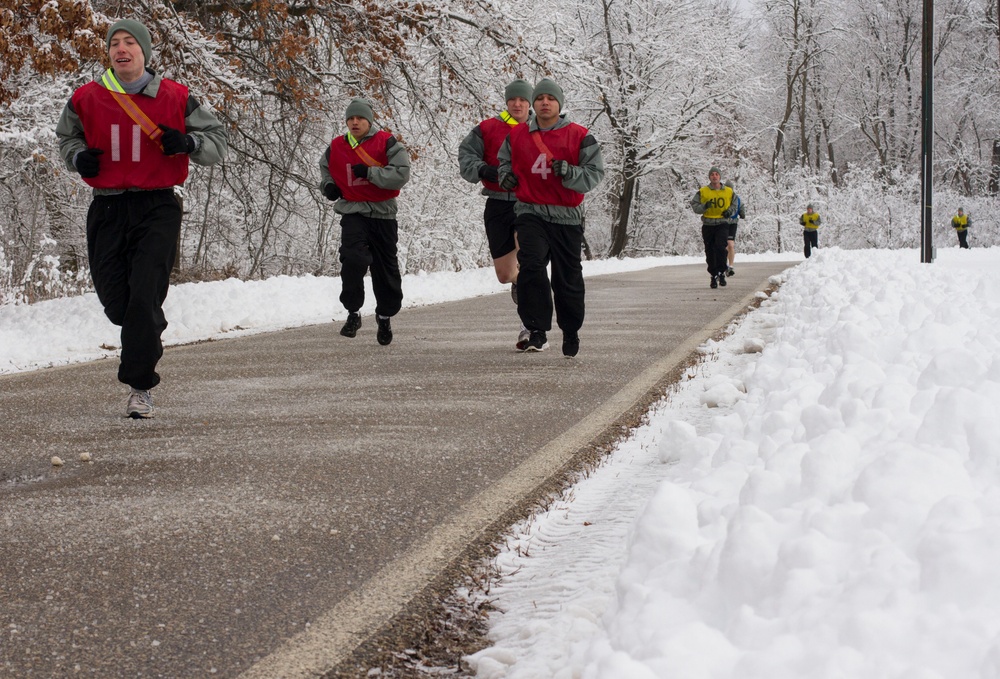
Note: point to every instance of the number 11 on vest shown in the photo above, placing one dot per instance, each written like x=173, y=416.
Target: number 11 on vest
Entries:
x=116, y=143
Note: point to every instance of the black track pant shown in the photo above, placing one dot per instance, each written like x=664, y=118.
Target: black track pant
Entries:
x=132, y=243
x=369, y=243
x=810, y=240
x=716, y=254
x=541, y=242
x=963, y=239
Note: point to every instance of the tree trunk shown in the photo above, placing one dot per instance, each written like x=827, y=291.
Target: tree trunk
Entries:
x=779, y=137
x=619, y=229
x=995, y=172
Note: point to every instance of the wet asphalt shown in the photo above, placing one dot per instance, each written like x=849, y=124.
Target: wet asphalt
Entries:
x=296, y=488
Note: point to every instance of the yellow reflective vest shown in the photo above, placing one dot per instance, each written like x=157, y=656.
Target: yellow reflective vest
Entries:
x=716, y=201
x=810, y=222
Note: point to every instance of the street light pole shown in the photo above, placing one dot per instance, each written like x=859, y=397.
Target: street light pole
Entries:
x=927, y=136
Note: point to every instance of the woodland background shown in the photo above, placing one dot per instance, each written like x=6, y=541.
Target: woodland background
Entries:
x=796, y=100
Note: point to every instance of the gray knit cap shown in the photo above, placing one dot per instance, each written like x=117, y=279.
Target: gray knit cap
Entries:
x=137, y=31
x=518, y=88
x=547, y=86
x=714, y=169
x=810, y=206
x=359, y=107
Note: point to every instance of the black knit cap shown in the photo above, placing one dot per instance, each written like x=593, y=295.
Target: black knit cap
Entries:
x=547, y=86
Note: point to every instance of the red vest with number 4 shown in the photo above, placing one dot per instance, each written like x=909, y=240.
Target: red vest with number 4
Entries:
x=494, y=131
x=531, y=162
x=342, y=156
x=131, y=160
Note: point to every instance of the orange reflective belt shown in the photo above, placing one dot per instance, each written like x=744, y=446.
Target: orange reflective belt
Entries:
x=365, y=158
x=131, y=108
x=537, y=138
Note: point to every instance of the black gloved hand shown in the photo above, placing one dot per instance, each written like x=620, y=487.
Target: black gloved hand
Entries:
x=175, y=141
x=489, y=173
x=332, y=191
x=730, y=212
x=508, y=182
x=87, y=162
x=360, y=171
x=560, y=167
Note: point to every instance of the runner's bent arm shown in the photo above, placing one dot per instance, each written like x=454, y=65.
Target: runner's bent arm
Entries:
x=69, y=132
x=397, y=168
x=470, y=155
x=210, y=137
x=589, y=173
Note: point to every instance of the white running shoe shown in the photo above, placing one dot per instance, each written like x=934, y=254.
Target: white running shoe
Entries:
x=522, y=339
x=140, y=404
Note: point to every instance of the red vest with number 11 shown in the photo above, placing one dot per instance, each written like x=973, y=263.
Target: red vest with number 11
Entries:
x=131, y=160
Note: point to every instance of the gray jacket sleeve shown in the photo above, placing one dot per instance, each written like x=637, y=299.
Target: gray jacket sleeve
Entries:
x=696, y=204
x=503, y=156
x=470, y=155
x=210, y=137
x=590, y=171
x=396, y=172
x=324, y=169
x=69, y=132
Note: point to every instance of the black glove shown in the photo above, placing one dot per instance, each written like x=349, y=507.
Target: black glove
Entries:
x=508, y=182
x=560, y=167
x=331, y=191
x=360, y=171
x=87, y=162
x=175, y=141
x=489, y=173
x=730, y=212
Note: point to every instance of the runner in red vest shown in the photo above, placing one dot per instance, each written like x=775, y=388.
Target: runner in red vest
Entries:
x=477, y=162
x=549, y=163
x=363, y=172
x=130, y=135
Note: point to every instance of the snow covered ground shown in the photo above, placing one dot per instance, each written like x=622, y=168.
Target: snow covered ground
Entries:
x=818, y=499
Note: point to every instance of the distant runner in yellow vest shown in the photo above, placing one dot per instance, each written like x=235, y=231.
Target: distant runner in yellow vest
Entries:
x=715, y=205
x=810, y=222
x=961, y=223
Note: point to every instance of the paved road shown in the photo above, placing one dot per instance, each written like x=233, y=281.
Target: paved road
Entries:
x=296, y=488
